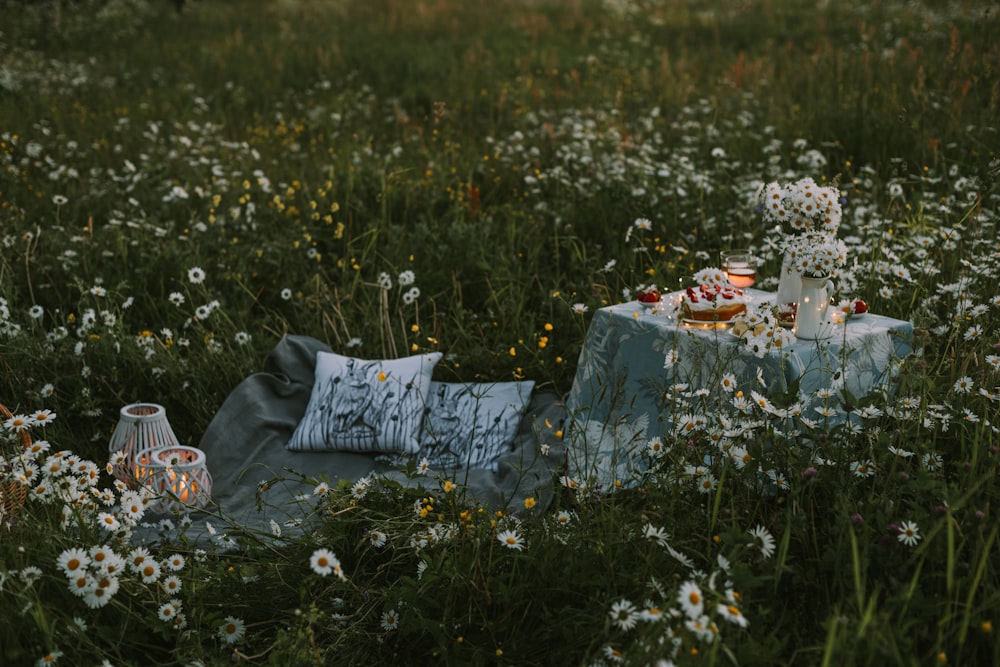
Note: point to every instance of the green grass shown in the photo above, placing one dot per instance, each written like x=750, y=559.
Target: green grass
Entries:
x=501, y=151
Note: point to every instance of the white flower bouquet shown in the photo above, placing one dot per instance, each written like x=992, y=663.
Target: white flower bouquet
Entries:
x=802, y=207
x=815, y=255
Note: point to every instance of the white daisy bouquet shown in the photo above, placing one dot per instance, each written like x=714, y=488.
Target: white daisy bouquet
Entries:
x=801, y=207
x=815, y=255
x=807, y=217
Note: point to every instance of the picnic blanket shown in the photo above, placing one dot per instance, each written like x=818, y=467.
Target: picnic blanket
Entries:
x=245, y=445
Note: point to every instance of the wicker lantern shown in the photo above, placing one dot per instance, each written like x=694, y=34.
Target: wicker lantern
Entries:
x=141, y=426
x=177, y=474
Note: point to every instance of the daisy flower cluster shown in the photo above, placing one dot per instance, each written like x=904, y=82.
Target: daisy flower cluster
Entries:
x=66, y=480
x=24, y=422
x=226, y=237
x=406, y=279
x=801, y=207
x=815, y=255
x=760, y=328
x=584, y=152
x=9, y=327
x=105, y=517
x=96, y=574
x=806, y=217
x=675, y=623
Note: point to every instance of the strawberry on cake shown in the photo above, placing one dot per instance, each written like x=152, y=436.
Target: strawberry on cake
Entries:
x=713, y=303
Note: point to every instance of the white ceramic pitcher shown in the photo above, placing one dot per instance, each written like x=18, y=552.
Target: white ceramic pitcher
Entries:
x=789, y=284
x=810, y=320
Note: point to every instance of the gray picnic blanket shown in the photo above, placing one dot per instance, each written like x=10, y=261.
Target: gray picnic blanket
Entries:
x=245, y=445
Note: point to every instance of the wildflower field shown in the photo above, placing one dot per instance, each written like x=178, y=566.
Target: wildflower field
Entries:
x=179, y=189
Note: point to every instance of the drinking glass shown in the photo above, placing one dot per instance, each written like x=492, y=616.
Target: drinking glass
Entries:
x=740, y=267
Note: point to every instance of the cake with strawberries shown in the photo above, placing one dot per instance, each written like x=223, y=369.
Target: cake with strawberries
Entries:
x=713, y=303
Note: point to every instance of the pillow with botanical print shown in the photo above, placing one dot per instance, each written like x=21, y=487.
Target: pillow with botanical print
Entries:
x=471, y=425
x=360, y=405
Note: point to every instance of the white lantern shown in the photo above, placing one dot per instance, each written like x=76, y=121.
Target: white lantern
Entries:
x=178, y=475
x=140, y=426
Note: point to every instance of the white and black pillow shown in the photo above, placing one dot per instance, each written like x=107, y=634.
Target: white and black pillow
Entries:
x=363, y=405
x=472, y=425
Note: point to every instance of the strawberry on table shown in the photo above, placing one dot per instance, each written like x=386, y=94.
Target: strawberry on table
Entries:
x=651, y=295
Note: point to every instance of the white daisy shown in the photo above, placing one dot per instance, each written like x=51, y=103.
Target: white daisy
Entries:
x=963, y=385
x=624, y=615
x=731, y=613
x=691, y=600
x=323, y=562
x=175, y=562
x=196, y=275
x=390, y=619
x=172, y=584
x=511, y=539
x=108, y=522
x=909, y=533
x=149, y=570
x=232, y=630
x=764, y=540
x=73, y=561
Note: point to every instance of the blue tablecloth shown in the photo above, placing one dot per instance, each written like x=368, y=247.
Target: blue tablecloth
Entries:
x=626, y=391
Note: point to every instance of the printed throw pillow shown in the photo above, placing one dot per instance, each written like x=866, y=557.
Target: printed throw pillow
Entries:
x=472, y=425
x=362, y=406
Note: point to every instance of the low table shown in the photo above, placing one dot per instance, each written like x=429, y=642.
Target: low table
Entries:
x=624, y=392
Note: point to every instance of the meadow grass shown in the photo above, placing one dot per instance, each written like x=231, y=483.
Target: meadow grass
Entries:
x=293, y=152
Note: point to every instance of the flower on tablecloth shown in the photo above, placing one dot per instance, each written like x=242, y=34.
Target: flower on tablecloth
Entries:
x=761, y=331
